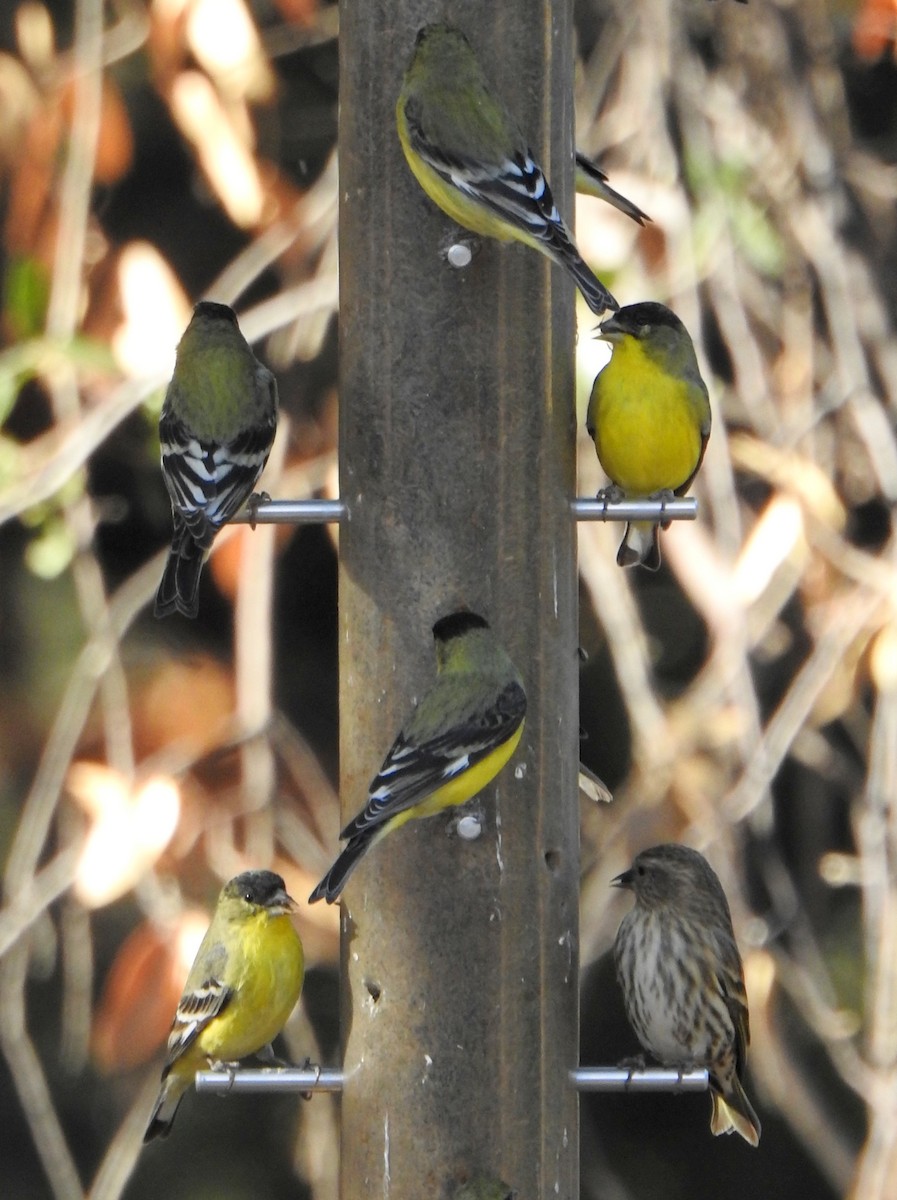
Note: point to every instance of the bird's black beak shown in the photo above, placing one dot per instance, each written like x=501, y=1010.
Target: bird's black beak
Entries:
x=624, y=880
x=281, y=903
x=610, y=330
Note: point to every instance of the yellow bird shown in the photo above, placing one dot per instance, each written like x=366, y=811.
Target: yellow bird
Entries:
x=649, y=416
x=456, y=741
x=244, y=983
x=469, y=155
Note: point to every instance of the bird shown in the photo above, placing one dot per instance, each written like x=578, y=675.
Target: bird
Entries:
x=463, y=731
x=244, y=983
x=590, y=180
x=469, y=155
x=678, y=965
x=649, y=416
x=216, y=430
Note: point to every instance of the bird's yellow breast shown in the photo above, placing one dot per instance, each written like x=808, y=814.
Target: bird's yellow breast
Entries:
x=647, y=423
x=266, y=974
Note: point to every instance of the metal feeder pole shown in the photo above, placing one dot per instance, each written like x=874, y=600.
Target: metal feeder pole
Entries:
x=457, y=431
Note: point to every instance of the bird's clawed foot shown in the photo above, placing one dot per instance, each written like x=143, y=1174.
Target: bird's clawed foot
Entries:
x=269, y=1058
x=231, y=1068
x=308, y=1065
x=665, y=496
x=255, y=501
x=612, y=494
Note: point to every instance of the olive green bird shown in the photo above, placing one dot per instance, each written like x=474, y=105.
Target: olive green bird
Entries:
x=469, y=155
x=463, y=731
x=216, y=431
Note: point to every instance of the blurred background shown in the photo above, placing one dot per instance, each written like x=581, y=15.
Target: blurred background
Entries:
x=744, y=699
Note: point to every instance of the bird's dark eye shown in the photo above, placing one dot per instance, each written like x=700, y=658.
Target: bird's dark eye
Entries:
x=640, y=870
x=247, y=896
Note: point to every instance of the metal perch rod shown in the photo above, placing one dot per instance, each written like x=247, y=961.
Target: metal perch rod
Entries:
x=326, y=1079
x=639, y=1079
x=319, y=512
x=269, y=1079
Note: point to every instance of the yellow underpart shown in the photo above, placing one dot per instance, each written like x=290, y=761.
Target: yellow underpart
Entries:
x=267, y=980
x=647, y=423
x=462, y=788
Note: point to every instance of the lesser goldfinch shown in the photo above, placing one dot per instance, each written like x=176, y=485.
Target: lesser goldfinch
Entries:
x=592, y=181
x=244, y=983
x=470, y=157
x=679, y=967
x=217, y=427
x=463, y=731
x=649, y=416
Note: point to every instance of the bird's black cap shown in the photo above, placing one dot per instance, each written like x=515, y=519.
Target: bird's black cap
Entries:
x=219, y=312
x=456, y=624
x=636, y=319
x=437, y=27
x=258, y=887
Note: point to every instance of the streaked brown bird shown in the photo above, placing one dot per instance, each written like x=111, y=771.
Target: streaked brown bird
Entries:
x=682, y=979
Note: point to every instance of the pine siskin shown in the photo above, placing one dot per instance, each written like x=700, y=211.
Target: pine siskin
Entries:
x=682, y=980
x=217, y=427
